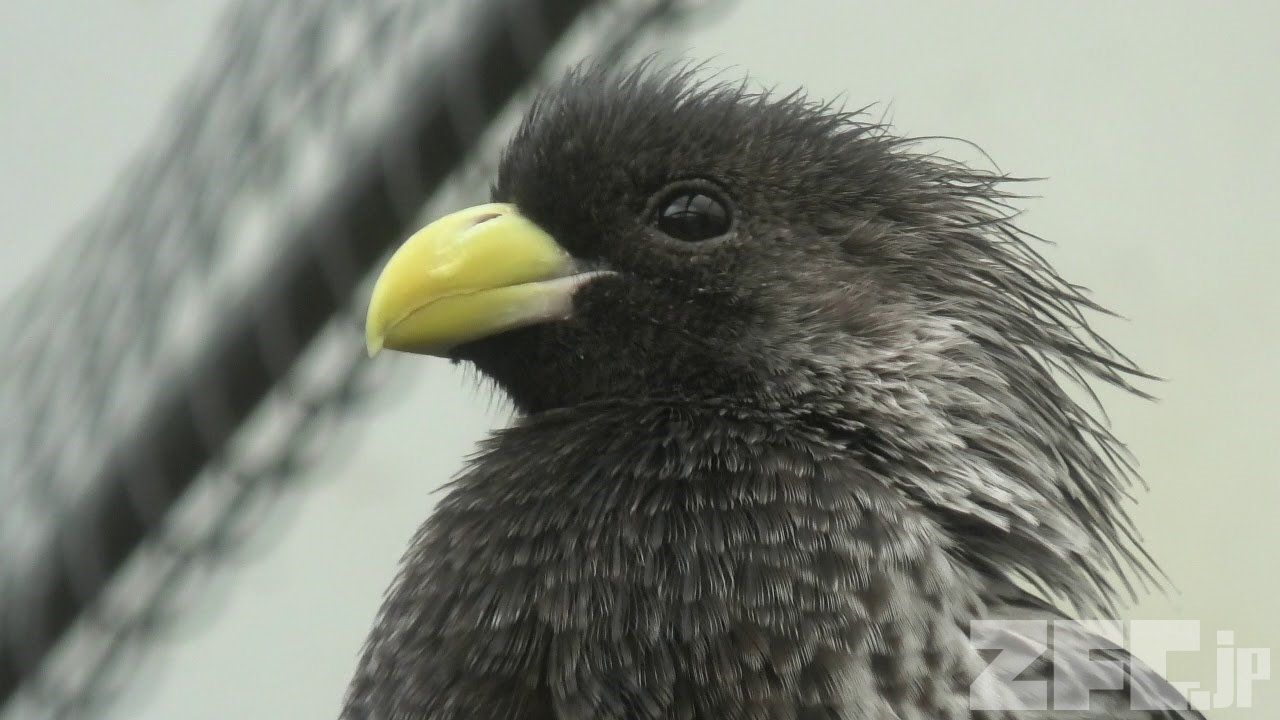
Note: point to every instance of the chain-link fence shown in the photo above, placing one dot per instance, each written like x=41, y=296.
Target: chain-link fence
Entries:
x=195, y=354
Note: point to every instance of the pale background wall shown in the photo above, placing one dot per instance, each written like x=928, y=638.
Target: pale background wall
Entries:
x=1157, y=124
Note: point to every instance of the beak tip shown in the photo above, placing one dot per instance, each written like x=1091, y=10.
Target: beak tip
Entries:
x=373, y=344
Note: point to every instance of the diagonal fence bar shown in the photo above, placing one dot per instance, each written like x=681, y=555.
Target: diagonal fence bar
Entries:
x=194, y=407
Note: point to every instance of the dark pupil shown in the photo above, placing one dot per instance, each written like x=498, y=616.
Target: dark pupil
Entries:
x=693, y=217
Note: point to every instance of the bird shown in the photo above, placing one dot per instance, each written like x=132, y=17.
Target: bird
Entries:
x=793, y=416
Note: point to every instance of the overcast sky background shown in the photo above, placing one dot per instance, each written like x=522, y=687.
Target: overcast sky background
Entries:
x=1154, y=122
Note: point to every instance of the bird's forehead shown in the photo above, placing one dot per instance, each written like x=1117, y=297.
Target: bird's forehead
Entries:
x=638, y=131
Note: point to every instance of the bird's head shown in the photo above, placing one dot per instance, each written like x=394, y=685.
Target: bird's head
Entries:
x=657, y=236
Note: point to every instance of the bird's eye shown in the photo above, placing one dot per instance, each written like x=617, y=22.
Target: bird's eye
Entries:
x=692, y=216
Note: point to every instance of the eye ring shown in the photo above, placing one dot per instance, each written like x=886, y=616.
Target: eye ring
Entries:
x=692, y=212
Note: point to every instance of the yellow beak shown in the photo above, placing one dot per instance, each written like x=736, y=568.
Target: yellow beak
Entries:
x=469, y=275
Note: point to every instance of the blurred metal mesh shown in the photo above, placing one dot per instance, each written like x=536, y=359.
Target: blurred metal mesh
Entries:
x=306, y=147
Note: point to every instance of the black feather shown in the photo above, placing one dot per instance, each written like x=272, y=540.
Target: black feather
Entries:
x=775, y=474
